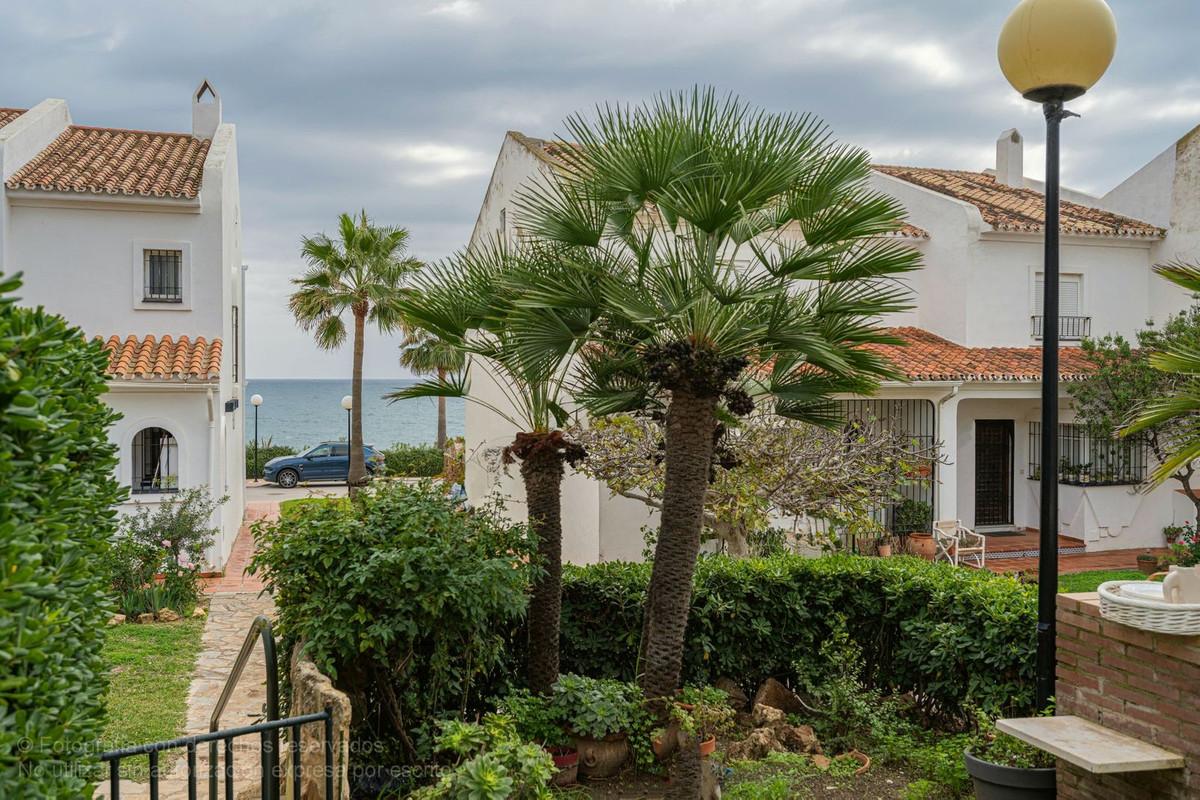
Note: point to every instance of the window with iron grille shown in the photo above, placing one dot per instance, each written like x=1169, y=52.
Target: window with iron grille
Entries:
x=163, y=276
x=155, y=462
x=1085, y=459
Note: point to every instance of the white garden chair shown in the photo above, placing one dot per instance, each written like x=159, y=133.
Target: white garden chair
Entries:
x=957, y=544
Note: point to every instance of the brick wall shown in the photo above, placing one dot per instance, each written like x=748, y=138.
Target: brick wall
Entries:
x=1142, y=684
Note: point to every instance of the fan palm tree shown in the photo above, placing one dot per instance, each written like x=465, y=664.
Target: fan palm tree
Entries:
x=468, y=302
x=1184, y=402
x=424, y=354
x=363, y=272
x=727, y=255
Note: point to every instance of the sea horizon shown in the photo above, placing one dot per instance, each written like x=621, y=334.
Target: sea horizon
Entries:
x=301, y=412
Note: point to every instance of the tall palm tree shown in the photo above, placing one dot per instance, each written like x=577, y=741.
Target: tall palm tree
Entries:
x=469, y=302
x=1184, y=402
x=424, y=354
x=363, y=272
x=727, y=254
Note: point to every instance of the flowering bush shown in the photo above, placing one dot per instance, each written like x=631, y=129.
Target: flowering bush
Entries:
x=1185, y=544
x=155, y=559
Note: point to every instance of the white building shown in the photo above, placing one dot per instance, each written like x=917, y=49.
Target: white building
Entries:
x=135, y=236
x=974, y=358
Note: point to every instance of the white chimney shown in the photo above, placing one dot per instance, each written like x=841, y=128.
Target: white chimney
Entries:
x=1010, y=159
x=206, y=111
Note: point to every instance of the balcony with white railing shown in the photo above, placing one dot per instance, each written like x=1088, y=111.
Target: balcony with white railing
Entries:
x=1070, y=328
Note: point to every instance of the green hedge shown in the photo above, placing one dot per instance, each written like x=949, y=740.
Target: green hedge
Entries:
x=56, y=519
x=413, y=460
x=952, y=636
x=266, y=451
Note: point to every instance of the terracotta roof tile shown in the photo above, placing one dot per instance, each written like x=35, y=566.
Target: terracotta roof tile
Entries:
x=929, y=357
x=115, y=161
x=7, y=115
x=1007, y=208
x=146, y=357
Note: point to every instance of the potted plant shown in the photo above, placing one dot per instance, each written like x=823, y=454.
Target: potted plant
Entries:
x=702, y=714
x=537, y=720
x=914, y=518
x=1004, y=768
x=1147, y=563
x=884, y=547
x=1064, y=468
x=599, y=714
x=1085, y=474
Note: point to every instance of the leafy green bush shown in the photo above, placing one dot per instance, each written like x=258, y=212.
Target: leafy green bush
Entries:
x=266, y=451
x=404, y=600
x=951, y=636
x=56, y=518
x=491, y=763
x=413, y=461
x=168, y=540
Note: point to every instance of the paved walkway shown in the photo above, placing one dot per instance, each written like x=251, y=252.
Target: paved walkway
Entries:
x=1078, y=562
x=234, y=603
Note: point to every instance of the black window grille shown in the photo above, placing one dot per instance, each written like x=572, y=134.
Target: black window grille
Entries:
x=1069, y=327
x=1084, y=459
x=163, y=272
x=155, y=462
x=917, y=419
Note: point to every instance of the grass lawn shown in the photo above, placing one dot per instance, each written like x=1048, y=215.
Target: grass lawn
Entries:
x=1090, y=581
x=292, y=506
x=150, y=668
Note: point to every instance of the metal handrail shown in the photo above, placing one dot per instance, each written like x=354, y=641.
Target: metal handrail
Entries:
x=259, y=629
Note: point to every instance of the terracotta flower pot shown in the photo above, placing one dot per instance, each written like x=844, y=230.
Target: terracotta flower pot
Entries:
x=602, y=758
x=1147, y=563
x=885, y=551
x=566, y=761
x=708, y=747
x=922, y=545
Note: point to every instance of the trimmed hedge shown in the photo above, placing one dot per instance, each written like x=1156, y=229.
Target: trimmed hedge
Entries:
x=413, y=461
x=266, y=451
x=949, y=635
x=56, y=520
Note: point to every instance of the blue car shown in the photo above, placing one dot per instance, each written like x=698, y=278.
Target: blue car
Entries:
x=328, y=461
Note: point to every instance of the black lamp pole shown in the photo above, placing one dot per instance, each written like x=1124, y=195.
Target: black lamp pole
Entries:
x=347, y=427
x=1048, y=518
x=256, y=473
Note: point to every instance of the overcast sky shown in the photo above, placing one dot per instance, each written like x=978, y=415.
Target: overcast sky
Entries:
x=401, y=107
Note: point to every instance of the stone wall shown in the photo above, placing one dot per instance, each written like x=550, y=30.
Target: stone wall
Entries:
x=313, y=692
x=1141, y=684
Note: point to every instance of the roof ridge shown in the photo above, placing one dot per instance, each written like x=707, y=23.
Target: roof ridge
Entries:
x=107, y=129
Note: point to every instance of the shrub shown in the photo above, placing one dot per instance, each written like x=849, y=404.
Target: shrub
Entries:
x=57, y=515
x=492, y=763
x=168, y=540
x=404, y=600
x=266, y=451
x=951, y=636
x=413, y=461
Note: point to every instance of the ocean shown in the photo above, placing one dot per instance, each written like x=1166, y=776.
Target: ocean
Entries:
x=301, y=412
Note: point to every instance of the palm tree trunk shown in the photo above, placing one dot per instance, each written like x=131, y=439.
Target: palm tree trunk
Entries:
x=358, y=466
x=690, y=424
x=542, y=472
x=441, y=422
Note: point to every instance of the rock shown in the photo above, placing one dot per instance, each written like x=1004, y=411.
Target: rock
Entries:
x=744, y=720
x=821, y=762
x=768, y=717
x=760, y=743
x=144, y=619
x=116, y=619
x=313, y=692
x=737, y=698
x=199, y=613
x=798, y=738
x=167, y=615
x=774, y=694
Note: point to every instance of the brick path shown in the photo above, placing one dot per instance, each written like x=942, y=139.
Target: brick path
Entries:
x=1078, y=562
x=235, y=601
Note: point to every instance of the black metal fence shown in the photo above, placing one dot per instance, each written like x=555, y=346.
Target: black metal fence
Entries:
x=916, y=419
x=1089, y=460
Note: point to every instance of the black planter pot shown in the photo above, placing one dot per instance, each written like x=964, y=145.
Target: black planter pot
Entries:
x=997, y=782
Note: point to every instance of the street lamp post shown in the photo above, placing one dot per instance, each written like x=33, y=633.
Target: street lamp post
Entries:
x=256, y=401
x=347, y=403
x=1053, y=51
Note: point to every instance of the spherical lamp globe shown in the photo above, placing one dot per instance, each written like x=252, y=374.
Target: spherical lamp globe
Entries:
x=347, y=402
x=1055, y=50
x=256, y=400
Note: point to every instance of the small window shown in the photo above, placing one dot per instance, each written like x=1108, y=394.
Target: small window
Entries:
x=320, y=451
x=341, y=450
x=155, y=462
x=1073, y=324
x=236, y=344
x=163, y=276
x=504, y=222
